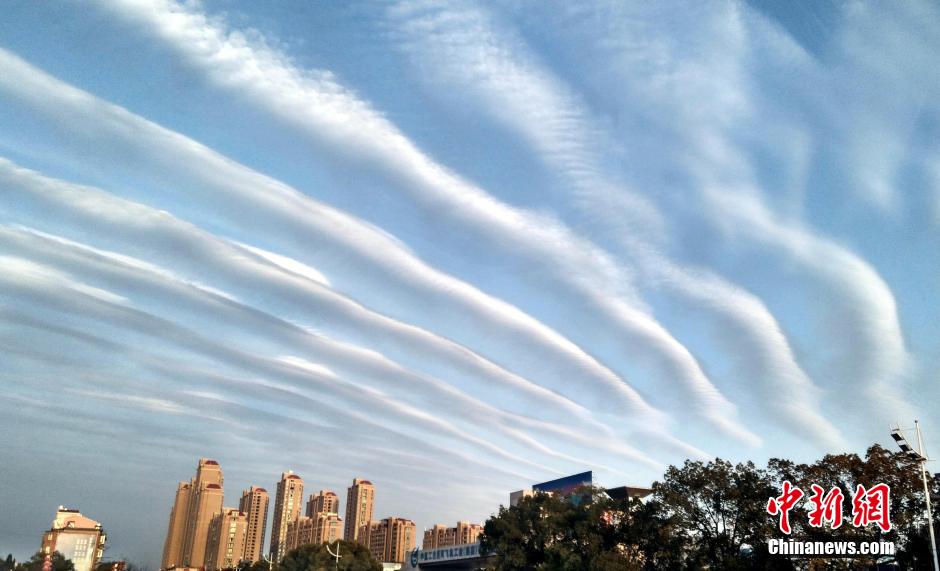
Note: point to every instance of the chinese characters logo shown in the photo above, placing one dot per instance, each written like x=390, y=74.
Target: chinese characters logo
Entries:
x=869, y=505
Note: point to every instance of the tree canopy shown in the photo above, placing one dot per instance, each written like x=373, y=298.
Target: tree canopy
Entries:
x=550, y=532
x=59, y=563
x=709, y=515
x=354, y=557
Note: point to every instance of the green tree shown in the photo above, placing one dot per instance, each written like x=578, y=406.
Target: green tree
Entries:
x=59, y=563
x=8, y=564
x=354, y=557
x=553, y=532
x=260, y=565
x=654, y=535
x=719, y=508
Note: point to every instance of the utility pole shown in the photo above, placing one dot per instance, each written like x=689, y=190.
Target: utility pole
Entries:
x=921, y=456
x=923, y=474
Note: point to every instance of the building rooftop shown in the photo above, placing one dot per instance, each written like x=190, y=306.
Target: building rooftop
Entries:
x=66, y=518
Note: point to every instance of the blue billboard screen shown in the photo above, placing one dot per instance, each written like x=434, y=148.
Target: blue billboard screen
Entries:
x=567, y=484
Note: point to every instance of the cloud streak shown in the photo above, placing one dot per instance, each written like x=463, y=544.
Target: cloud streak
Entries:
x=320, y=106
x=284, y=211
x=455, y=44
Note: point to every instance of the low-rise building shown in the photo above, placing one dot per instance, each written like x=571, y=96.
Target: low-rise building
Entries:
x=76, y=537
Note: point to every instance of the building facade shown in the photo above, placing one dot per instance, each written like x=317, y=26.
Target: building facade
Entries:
x=360, y=500
x=76, y=537
x=225, y=545
x=435, y=537
x=299, y=532
x=442, y=536
x=329, y=528
x=173, y=546
x=324, y=501
x=390, y=540
x=254, y=504
x=467, y=532
x=287, y=504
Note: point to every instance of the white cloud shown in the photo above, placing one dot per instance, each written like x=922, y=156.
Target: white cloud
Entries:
x=696, y=82
x=316, y=103
x=454, y=43
x=389, y=380
x=289, y=264
x=226, y=184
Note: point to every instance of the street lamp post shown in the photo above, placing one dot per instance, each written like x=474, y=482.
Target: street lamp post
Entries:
x=336, y=555
x=921, y=456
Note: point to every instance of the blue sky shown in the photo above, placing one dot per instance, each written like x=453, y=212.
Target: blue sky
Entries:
x=454, y=247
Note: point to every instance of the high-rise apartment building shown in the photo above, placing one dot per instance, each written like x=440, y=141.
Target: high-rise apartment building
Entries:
x=322, y=528
x=287, y=503
x=360, y=498
x=467, y=532
x=442, y=536
x=254, y=504
x=225, y=544
x=329, y=528
x=323, y=510
x=324, y=501
x=389, y=540
x=197, y=502
x=76, y=537
x=367, y=532
x=436, y=537
x=173, y=546
x=205, y=501
x=299, y=532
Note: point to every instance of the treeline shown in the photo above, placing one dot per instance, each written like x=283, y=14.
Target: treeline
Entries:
x=714, y=515
x=59, y=563
x=317, y=557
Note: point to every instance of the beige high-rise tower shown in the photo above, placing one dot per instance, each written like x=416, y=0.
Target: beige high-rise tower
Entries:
x=391, y=539
x=173, y=547
x=205, y=502
x=225, y=541
x=254, y=504
x=324, y=501
x=287, y=503
x=329, y=528
x=195, y=505
x=360, y=498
